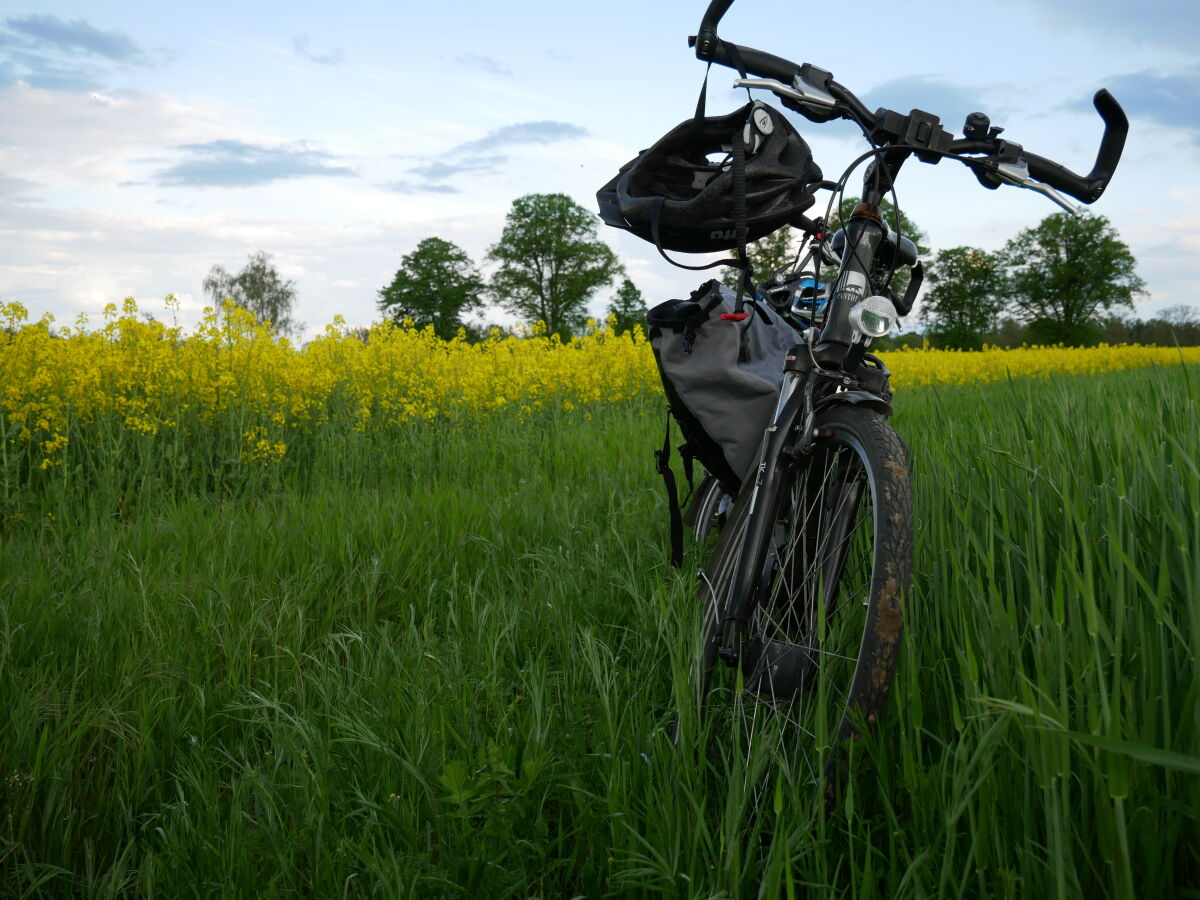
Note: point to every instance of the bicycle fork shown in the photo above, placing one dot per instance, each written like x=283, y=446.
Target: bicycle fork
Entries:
x=795, y=404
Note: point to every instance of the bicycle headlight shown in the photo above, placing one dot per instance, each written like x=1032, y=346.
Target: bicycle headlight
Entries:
x=873, y=317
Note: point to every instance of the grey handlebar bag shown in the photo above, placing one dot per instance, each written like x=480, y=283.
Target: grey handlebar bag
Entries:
x=721, y=369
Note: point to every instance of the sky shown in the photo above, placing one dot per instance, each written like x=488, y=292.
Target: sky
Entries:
x=143, y=142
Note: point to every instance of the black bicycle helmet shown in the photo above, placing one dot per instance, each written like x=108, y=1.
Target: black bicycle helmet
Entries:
x=676, y=197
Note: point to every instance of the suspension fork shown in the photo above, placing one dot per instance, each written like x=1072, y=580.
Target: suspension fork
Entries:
x=864, y=234
x=795, y=406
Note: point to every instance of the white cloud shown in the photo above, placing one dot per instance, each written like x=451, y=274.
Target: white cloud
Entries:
x=64, y=138
x=231, y=163
x=76, y=36
x=66, y=262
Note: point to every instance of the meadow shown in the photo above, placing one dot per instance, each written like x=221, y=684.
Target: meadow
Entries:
x=394, y=619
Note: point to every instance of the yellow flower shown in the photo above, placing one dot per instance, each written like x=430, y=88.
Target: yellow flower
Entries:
x=229, y=382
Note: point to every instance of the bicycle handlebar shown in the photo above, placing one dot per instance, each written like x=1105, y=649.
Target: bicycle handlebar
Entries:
x=706, y=36
x=756, y=62
x=1087, y=188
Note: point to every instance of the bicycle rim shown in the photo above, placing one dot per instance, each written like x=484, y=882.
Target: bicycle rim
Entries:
x=821, y=651
x=707, y=512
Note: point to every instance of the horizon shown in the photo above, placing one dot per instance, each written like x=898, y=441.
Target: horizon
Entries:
x=141, y=147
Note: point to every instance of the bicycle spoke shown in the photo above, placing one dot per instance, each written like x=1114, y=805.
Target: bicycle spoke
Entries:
x=799, y=690
x=814, y=604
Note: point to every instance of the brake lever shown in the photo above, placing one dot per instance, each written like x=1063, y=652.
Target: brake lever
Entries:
x=799, y=91
x=1016, y=173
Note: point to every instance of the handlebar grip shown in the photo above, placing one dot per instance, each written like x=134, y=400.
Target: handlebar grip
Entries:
x=1059, y=177
x=1116, y=127
x=706, y=37
x=1088, y=188
x=712, y=15
x=764, y=65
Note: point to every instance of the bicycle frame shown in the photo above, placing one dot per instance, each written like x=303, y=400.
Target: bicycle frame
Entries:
x=815, y=378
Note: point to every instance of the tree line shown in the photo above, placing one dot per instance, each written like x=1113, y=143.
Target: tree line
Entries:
x=1068, y=280
x=549, y=263
x=1060, y=280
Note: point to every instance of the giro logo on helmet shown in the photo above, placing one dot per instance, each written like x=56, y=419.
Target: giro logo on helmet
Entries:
x=722, y=235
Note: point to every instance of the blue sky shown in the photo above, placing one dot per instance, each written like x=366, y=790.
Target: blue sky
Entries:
x=141, y=143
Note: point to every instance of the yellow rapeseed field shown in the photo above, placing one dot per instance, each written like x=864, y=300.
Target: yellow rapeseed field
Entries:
x=146, y=378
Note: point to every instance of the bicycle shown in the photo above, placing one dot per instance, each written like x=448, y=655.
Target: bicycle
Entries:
x=804, y=595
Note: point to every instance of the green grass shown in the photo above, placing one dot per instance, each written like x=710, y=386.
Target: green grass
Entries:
x=444, y=669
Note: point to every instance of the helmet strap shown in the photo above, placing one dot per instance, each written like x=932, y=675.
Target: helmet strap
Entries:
x=697, y=131
x=735, y=57
x=742, y=261
x=746, y=282
x=700, y=99
x=698, y=120
x=655, y=219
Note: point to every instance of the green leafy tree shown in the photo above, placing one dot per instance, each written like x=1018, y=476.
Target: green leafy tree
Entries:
x=1065, y=273
x=896, y=220
x=257, y=288
x=550, y=262
x=767, y=255
x=770, y=253
x=627, y=308
x=911, y=339
x=1007, y=333
x=964, y=298
x=435, y=285
x=1181, y=324
x=1181, y=314
x=1175, y=325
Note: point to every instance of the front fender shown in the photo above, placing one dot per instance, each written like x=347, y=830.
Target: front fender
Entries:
x=855, y=398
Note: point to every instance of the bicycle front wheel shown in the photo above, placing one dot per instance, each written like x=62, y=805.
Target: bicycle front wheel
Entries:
x=824, y=635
